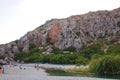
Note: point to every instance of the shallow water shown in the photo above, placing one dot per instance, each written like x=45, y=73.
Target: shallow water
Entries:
x=53, y=72
x=56, y=72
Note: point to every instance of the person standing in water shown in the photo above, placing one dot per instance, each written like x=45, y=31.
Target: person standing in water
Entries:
x=37, y=67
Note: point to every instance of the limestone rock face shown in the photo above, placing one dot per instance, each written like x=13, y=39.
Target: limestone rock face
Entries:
x=2, y=49
x=15, y=49
x=76, y=31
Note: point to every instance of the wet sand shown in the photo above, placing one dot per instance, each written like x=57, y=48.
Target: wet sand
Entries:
x=28, y=72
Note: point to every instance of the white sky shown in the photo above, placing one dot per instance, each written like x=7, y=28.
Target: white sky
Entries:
x=17, y=17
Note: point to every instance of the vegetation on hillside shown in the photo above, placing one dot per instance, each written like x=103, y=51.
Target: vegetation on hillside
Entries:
x=99, y=62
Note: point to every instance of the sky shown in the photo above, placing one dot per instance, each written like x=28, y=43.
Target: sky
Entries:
x=17, y=17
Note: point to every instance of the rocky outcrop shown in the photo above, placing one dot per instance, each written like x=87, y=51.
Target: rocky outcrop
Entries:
x=2, y=50
x=76, y=31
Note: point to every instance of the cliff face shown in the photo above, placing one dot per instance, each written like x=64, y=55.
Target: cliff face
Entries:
x=76, y=31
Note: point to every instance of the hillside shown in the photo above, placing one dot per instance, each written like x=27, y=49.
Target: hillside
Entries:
x=78, y=31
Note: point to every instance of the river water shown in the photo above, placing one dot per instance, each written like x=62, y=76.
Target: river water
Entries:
x=61, y=66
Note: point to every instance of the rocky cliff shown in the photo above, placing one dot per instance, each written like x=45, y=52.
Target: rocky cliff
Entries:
x=76, y=31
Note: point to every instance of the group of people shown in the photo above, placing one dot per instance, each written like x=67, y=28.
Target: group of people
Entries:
x=37, y=66
x=22, y=67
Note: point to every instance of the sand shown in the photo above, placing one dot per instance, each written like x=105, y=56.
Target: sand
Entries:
x=28, y=72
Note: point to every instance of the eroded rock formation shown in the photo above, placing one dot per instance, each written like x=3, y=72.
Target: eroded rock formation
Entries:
x=76, y=31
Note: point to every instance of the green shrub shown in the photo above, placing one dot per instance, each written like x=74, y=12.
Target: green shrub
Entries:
x=81, y=60
x=31, y=46
x=114, y=49
x=56, y=50
x=96, y=56
x=71, y=49
x=21, y=49
x=91, y=50
x=109, y=65
x=34, y=50
x=77, y=33
x=50, y=58
x=20, y=56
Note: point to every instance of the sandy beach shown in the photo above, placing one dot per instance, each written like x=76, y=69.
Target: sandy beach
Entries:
x=28, y=72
